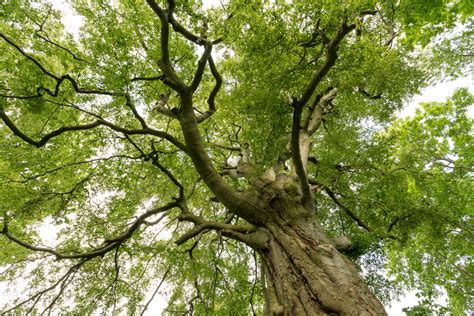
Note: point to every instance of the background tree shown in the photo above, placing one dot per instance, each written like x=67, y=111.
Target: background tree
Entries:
x=246, y=155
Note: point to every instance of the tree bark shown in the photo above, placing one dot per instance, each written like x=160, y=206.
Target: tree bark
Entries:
x=306, y=278
x=304, y=272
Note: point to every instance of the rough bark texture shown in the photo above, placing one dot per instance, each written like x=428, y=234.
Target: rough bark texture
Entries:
x=304, y=272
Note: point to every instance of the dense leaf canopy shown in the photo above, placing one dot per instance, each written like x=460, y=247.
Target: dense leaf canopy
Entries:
x=94, y=151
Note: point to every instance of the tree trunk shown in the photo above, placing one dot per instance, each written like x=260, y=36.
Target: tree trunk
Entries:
x=304, y=272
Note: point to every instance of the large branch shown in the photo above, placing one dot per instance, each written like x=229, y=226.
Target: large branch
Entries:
x=213, y=94
x=77, y=89
x=187, y=117
x=201, y=67
x=100, y=121
x=9, y=41
x=331, y=57
x=317, y=110
x=245, y=208
x=240, y=232
x=298, y=105
x=146, y=131
x=46, y=137
x=171, y=78
x=59, y=79
x=109, y=244
x=307, y=197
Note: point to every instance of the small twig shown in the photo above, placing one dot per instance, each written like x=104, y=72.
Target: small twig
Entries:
x=156, y=290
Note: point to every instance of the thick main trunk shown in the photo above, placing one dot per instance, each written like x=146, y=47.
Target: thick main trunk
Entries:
x=306, y=275
x=304, y=272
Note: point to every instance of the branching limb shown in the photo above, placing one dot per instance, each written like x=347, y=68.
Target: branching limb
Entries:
x=59, y=79
x=131, y=105
x=38, y=295
x=307, y=196
x=145, y=131
x=156, y=291
x=201, y=225
x=201, y=67
x=72, y=164
x=171, y=79
x=187, y=117
x=154, y=159
x=108, y=245
x=77, y=89
x=64, y=283
x=168, y=173
x=152, y=78
x=317, y=110
x=331, y=57
x=46, y=137
x=46, y=39
x=298, y=105
x=46, y=72
x=312, y=111
x=351, y=214
x=213, y=94
x=179, y=28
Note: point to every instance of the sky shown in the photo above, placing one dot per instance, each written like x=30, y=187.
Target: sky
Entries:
x=438, y=92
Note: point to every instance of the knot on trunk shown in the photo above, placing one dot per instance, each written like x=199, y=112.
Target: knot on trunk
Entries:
x=341, y=243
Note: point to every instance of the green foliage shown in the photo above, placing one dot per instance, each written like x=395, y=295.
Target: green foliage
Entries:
x=409, y=180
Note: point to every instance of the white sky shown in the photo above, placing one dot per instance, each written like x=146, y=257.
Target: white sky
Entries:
x=438, y=92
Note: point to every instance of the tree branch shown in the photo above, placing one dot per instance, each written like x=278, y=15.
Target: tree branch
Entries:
x=298, y=105
x=201, y=67
x=170, y=79
x=38, y=295
x=59, y=80
x=351, y=214
x=187, y=119
x=46, y=39
x=168, y=173
x=75, y=163
x=331, y=57
x=109, y=244
x=201, y=225
x=100, y=121
x=9, y=41
x=213, y=94
x=46, y=137
x=156, y=291
x=153, y=78
x=307, y=196
x=131, y=105
x=315, y=115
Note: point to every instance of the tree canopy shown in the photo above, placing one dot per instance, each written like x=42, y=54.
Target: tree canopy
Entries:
x=155, y=143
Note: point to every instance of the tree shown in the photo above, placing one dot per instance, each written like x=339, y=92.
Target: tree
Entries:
x=246, y=155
